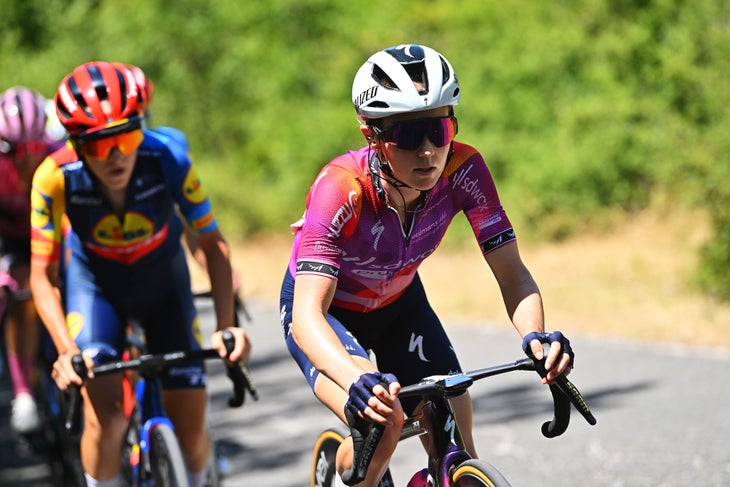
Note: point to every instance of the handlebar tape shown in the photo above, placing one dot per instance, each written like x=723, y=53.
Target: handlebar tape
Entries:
x=564, y=393
x=365, y=440
x=72, y=422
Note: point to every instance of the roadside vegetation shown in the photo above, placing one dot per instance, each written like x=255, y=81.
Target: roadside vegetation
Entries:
x=588, y=112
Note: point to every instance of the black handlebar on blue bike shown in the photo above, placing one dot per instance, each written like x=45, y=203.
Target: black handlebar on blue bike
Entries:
x=366, y=434
x=238, y=373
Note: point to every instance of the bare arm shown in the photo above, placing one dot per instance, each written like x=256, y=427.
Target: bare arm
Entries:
x=47, y=300
x=312, y=298
x=519, y=291
x=218, y=260
x=524, y=304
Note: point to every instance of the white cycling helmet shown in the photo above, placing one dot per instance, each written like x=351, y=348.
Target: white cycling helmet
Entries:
x=384, y=85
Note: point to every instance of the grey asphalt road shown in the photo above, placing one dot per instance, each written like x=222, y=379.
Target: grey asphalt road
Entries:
x=661, y=411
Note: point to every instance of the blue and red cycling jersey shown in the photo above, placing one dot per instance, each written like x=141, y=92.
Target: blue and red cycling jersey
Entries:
x=349, y=232
x=147, y=232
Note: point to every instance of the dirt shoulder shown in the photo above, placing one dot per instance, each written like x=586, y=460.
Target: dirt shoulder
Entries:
x=631, y=283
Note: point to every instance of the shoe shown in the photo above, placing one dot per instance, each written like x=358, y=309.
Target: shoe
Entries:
x=24, y=416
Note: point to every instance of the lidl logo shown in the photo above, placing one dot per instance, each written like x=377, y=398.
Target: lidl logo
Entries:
x=192, y=189
x=197, y=332
x=110, y=232
x=41, y=214
x=74, y=323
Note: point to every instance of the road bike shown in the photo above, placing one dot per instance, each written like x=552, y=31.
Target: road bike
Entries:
x=449, y=464
x=151, y=452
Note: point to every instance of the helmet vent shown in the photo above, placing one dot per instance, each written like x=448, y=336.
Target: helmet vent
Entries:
x=445, y=71
x=383, y=79
x=417, y=73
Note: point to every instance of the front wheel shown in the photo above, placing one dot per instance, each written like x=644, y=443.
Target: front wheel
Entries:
x=166, y=460
x=324, y=454
x=474, y=472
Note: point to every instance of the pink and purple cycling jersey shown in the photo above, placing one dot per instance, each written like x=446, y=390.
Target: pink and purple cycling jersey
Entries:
x=15, y=197
x=349, y=233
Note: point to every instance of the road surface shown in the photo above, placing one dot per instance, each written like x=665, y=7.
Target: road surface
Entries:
x=661, y=411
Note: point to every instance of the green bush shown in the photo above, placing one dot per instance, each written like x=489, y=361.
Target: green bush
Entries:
x=584, y=110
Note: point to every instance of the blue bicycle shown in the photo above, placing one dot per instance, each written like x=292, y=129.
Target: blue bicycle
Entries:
x=151, y=453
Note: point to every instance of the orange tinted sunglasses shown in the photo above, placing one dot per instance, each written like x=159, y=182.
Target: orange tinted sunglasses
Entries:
x=126, y=142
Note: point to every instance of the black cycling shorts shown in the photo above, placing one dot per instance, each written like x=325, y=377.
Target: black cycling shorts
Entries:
x=406, y=337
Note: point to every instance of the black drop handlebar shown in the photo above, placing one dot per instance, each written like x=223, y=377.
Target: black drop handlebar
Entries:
x=366, y=434
x=238, y=373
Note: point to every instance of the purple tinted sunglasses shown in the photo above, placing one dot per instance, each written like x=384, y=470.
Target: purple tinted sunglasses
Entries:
x=409, y=134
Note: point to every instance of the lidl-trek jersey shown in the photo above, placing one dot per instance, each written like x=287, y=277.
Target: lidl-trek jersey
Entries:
x=147, y=233
x=349, y=233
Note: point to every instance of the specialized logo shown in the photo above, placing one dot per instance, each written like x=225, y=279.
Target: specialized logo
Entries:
x=365, y=96
x=450, y=426
x=192, y=188
x=377, y=230
x=417, y=343
x=109, y=232
x=346, y=212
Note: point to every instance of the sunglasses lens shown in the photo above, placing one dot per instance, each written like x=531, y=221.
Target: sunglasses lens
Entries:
x=126, y=143
x=409, y=134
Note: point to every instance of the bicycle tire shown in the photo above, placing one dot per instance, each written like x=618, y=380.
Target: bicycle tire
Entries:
x=477, y=473
x=167, y=466
x=323, y=456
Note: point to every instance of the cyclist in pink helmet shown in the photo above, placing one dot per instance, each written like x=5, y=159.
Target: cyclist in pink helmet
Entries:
x=24, y=143
x=372, y=216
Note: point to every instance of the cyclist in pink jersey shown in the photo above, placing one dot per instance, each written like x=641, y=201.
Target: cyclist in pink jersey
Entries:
x=25, y=140
x=372, y=216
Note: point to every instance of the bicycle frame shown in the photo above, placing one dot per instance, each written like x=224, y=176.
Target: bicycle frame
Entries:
x=146, y=403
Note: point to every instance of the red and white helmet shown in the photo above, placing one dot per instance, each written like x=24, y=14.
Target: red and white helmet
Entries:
x=98, y=96
x=386, y=84
x=144, y=84
x=22, y=116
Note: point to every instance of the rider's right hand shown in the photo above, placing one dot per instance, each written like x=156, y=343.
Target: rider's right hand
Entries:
x=63, y=371
x=373, y=395
x=559, y=360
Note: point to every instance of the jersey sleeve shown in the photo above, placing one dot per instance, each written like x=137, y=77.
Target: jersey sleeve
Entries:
x=332, y=213
x=185, y=183
x=477, y=195
x=48, y=206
